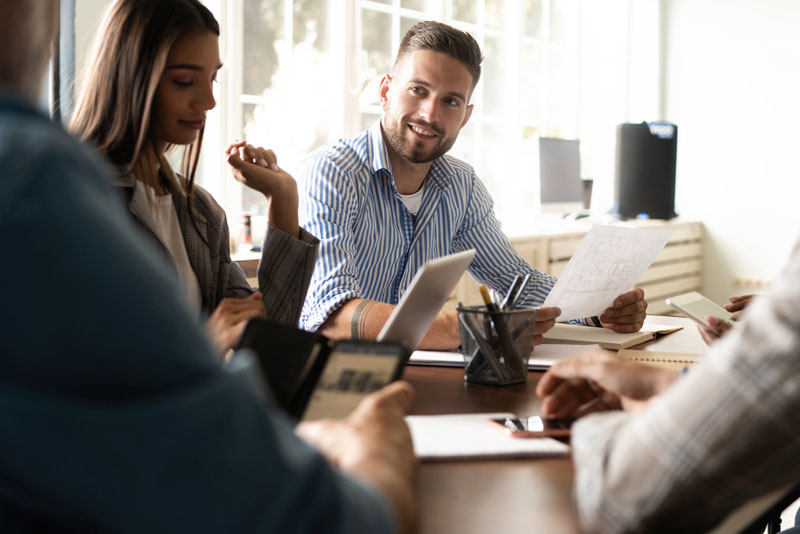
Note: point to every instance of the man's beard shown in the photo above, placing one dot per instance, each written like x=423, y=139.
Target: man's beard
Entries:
x=396, y=136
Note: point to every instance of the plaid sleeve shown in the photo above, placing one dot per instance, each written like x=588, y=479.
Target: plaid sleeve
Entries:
x=723, y=434
x=284, y=273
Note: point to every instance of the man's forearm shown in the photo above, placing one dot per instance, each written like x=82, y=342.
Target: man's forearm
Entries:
x=357, y=319
x=364, y=319
x=443, y=333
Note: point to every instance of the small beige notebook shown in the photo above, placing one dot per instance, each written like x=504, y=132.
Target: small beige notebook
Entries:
x=607, y=339
x=670, y=360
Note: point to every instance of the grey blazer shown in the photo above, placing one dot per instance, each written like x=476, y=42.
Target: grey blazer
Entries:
x=284, y=271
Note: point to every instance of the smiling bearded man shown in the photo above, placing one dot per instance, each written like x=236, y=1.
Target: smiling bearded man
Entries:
x=385, y=202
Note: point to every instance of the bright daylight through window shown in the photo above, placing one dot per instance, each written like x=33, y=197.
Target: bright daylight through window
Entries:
x=302, y=73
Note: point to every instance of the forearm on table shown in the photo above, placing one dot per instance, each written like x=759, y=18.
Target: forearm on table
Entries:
x=364, y=319
x=357, y=319
x=443, y=333
x=633, y=471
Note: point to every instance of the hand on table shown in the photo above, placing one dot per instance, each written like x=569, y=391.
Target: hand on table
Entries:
x=226, y=323
x=628, y=312
x=257, y=168
x=374, y=444
x=599, y=380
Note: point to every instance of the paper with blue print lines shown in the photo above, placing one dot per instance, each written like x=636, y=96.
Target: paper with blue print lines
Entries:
x=607, y=263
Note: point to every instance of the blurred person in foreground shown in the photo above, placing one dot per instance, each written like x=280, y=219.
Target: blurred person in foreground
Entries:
x=119, y=416
x=674, y=453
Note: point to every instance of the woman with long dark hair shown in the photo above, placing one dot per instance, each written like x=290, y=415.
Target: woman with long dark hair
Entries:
x=148, y=87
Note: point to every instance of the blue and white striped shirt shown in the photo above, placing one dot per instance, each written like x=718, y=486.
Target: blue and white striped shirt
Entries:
x=371, y=246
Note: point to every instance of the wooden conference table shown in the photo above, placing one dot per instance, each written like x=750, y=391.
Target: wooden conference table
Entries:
x=504, y=496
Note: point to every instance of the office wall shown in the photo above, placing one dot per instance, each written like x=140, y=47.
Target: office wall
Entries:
x=732, y=84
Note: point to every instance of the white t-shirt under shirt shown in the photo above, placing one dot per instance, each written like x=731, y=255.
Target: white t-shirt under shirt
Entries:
x=413, y=201
x=168, y=231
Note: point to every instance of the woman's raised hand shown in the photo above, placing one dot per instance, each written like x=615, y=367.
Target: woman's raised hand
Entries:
x=257, y=168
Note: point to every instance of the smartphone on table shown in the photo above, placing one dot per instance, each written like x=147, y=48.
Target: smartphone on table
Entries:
x=533, y=427
x=697, y=307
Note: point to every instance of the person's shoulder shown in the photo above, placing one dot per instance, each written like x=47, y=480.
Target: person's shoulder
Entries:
x=35, y=151
x=458, y=172
x=204, y=204
x=460, y=167
x=202, y=196
x=346, y=154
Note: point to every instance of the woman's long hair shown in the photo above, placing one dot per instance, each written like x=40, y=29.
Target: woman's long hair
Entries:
x=115, y=106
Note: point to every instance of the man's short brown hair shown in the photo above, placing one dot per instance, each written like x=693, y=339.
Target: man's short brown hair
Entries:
x=438, y=37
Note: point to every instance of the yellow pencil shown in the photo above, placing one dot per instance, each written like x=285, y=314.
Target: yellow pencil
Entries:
x=486, y=298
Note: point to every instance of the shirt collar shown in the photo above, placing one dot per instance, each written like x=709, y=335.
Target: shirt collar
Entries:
x=438, y=176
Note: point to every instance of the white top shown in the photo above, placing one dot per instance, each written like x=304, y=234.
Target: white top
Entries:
x=168, y=231
x=413, y=201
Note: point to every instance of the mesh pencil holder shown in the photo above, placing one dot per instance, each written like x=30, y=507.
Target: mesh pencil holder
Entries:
x=496, y=344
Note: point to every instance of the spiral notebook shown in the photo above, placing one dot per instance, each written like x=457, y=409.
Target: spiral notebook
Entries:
x=671, y=360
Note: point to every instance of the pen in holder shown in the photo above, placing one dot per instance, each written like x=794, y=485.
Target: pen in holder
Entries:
x=496, y=344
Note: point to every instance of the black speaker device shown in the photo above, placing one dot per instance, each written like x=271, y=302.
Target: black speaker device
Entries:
x=645, y=170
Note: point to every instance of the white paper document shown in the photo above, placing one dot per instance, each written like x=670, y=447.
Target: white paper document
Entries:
x=465, y=436
x=607, y=263
x=444, y=358
x=542, y=357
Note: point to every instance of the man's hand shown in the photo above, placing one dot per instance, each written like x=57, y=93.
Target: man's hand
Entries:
x=545, y=320
x=738, y=304
x=226, y=323
x=374, y=445
x=721, y=326
x=257, y=168
x=627, y=313
x=599, y=380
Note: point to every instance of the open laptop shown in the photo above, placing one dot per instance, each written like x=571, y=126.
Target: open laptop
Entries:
x=425, y=296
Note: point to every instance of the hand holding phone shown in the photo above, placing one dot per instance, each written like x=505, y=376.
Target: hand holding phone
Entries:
x=533, y=427
x=697, y=307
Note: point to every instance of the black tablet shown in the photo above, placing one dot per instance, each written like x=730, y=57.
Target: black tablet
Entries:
x=312, y=377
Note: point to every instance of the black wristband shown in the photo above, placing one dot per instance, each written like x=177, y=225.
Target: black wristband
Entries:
x=596, y=321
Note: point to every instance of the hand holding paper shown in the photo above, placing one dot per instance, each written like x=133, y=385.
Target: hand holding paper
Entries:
x=607, y=264
x=627, y=313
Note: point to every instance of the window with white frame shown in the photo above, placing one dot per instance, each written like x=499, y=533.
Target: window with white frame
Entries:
x=301, y=73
